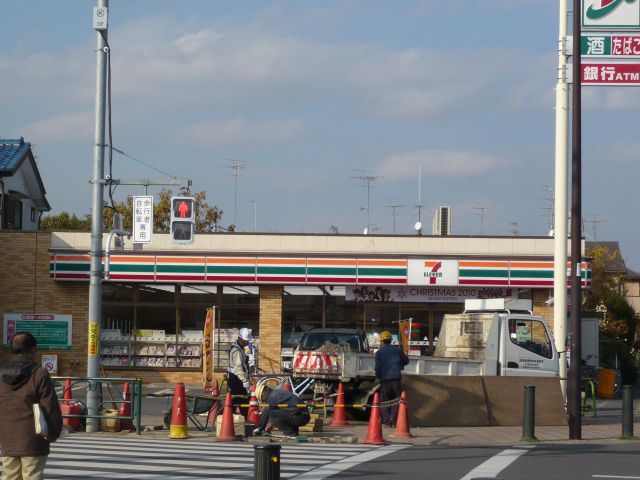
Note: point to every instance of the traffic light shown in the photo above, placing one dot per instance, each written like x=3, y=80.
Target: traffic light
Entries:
x=183, y=219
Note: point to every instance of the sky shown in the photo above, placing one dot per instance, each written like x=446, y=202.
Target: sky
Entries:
x=312, y=96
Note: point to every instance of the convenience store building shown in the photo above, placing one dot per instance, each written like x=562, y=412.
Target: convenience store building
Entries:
x=278, y=285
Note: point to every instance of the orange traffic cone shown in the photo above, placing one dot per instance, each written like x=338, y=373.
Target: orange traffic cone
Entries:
x=286, y=386
x=253, y=415
x=215, y=393
x=67, y=395
x=178, y=428
x=374, y=434
x=402, y=423
x=339, y=411
x=125, y=409
x=227, y=431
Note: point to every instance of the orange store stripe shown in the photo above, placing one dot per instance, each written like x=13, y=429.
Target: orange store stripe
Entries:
x=180, y=259
x=281, y=261
x=251, y=261
x=330, y=262
x=387, y=263
x=122, y=258
x=484, y=264
x=532, y=264
x=72, y=258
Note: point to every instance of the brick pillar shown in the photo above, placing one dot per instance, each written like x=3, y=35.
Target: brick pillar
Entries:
x=270, y=328
x=541, y=295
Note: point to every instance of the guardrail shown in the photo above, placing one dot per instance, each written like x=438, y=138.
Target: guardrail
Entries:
x=97, y=383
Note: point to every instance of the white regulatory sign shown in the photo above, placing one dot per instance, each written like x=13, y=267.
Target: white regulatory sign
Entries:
x=100, y=15
x=142, y=219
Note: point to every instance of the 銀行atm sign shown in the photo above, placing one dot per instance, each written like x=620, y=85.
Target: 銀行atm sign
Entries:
x=611, y=73
x=610, y=15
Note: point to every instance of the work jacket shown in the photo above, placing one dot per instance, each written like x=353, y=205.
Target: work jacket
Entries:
x=390, y=361
x=238, y=362
x=24, y=382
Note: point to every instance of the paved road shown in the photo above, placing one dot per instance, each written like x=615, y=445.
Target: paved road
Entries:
x=521, y=462
x=81, y=456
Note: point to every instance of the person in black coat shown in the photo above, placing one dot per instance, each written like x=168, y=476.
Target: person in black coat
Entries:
x=284, y=413
x=390, y=361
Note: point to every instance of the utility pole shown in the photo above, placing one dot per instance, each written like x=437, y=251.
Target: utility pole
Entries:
x=560, y=195
x=95, y=273
x=573, y=384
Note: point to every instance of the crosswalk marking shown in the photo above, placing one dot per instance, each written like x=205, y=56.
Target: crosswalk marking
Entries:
x=81, y=456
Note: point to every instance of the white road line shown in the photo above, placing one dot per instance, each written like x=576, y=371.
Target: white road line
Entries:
x=341, y=465
x=614, y=476
x=492, y=467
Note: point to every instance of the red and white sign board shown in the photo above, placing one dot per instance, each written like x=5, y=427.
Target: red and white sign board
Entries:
x=611, y=73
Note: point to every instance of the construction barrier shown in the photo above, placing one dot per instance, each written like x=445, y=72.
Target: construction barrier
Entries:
x=74, y=411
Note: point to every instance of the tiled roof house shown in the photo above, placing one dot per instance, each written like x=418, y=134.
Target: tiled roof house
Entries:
x=22, y=193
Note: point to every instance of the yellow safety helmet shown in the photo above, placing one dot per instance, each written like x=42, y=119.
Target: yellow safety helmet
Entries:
x=386, y=335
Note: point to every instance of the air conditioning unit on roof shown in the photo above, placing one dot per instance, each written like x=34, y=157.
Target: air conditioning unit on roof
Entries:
x=442, y=221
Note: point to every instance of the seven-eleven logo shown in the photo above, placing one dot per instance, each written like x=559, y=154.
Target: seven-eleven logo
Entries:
x=601, y=8
x=432, y=271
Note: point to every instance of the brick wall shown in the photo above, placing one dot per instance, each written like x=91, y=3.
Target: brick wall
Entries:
x=25, y=287
x=270, y=328
x=541, y=295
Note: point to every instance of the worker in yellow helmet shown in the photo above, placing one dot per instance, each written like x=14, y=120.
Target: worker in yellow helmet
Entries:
x=390, y=361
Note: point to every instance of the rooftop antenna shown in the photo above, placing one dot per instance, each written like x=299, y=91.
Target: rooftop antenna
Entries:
x=481, y=210
x=514, y=229
x=236, y=166
x=255, y=215
x=418, y=225
x=394, y=208
x=368, y=178
x=550, y=207
x=594, y=225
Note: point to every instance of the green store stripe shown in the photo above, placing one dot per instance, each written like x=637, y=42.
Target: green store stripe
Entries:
x=484, y=273
x=531, y=273
x=180, y=268
x=331, y=271
x=73, y=267
x=231, y=269
x=131, y=268
x=382, y=272
x=281, y=270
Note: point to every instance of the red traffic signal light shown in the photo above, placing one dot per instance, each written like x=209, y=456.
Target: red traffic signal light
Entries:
x=183, y=219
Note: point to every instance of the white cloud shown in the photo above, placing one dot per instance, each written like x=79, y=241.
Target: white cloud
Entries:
x=240, y=131
x=440, y=163
x=67, y=127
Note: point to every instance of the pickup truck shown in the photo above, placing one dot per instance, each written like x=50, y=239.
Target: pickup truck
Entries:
x=487, y=339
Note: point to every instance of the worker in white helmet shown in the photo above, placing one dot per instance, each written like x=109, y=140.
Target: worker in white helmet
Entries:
x=238, y=370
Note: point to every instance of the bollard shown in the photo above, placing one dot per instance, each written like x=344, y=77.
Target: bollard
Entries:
x=266, y=462
x=529, y=414
x=627, y=413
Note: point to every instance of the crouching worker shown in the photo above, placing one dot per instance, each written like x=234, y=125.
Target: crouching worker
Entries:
x=287, y=418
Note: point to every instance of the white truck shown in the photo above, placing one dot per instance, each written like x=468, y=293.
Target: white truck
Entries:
x=492, y=337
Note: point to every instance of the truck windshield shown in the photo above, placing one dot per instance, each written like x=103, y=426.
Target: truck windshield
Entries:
x=314, y=340
x=530, y=335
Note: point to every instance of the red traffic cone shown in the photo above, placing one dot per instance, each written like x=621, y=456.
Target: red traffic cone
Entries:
x=227, y=431
x=215, y=393
x=178, y=428
x=402, y=423
x=125, y=409
x=67, y=395
x=286, y=386
x=339, y=411
x=253, y=415
x=374, y=434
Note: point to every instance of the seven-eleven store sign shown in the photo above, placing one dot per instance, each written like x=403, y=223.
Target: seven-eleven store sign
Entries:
x=610, y=58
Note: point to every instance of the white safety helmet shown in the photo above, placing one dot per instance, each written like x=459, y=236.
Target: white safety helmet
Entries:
x=244, y=334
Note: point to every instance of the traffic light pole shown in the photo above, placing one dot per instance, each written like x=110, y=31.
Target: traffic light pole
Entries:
x=95, y=273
